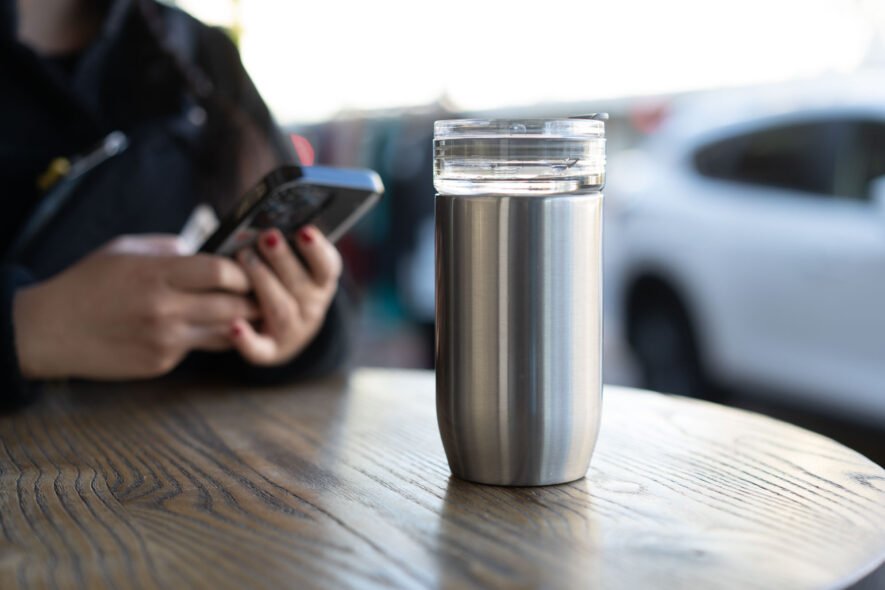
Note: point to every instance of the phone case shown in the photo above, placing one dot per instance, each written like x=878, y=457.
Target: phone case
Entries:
x=290, y=197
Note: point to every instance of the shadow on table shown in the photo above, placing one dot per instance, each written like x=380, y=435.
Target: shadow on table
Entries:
x=542, y=537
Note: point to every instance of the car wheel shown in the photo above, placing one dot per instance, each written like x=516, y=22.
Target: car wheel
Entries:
x=665, y=347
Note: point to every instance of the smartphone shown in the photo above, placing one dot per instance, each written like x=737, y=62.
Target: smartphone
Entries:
x=332, y=199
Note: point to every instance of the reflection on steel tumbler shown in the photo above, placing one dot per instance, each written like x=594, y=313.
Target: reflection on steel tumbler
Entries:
x=518, y=297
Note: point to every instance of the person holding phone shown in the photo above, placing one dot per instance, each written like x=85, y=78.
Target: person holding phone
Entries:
x=104, y=291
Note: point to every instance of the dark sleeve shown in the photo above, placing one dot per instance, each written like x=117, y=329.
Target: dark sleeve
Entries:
x=14, y=389
x=329, y=351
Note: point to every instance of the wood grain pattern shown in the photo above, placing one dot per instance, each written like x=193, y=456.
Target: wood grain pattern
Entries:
x=343, y=484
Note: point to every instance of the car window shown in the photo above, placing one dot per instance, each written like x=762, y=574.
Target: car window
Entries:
x=862, y=161
x=799, y=157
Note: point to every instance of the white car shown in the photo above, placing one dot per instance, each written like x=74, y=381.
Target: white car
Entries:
x=745, y=245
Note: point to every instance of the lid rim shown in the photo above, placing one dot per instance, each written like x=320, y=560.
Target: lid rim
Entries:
x=530, y=127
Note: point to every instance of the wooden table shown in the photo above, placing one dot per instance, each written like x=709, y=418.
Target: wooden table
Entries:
x=343, y=483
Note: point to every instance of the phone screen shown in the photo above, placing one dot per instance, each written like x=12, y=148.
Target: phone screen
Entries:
x=332, y=199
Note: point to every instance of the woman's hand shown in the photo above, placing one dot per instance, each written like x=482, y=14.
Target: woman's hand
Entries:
x=132, y=309
x=293, y=300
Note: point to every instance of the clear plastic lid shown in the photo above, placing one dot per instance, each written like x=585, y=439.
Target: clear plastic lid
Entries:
x=518, y=157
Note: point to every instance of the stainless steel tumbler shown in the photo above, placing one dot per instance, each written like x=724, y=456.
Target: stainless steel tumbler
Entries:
x=519, y=297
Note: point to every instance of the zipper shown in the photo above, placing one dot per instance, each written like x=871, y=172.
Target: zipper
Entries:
x=60, y=179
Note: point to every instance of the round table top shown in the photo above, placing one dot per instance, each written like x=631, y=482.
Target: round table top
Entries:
x=344, y=483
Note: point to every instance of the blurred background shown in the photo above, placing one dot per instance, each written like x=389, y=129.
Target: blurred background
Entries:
x=745, y=204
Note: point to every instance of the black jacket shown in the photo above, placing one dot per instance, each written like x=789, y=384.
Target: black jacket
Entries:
x=147, y=75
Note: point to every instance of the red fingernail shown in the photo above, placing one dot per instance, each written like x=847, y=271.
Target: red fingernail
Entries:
x=235, y=331
x=271, y=240
x=305, y=235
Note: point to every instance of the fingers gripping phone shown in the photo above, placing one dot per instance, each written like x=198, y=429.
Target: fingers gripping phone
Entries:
x=290, y=197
